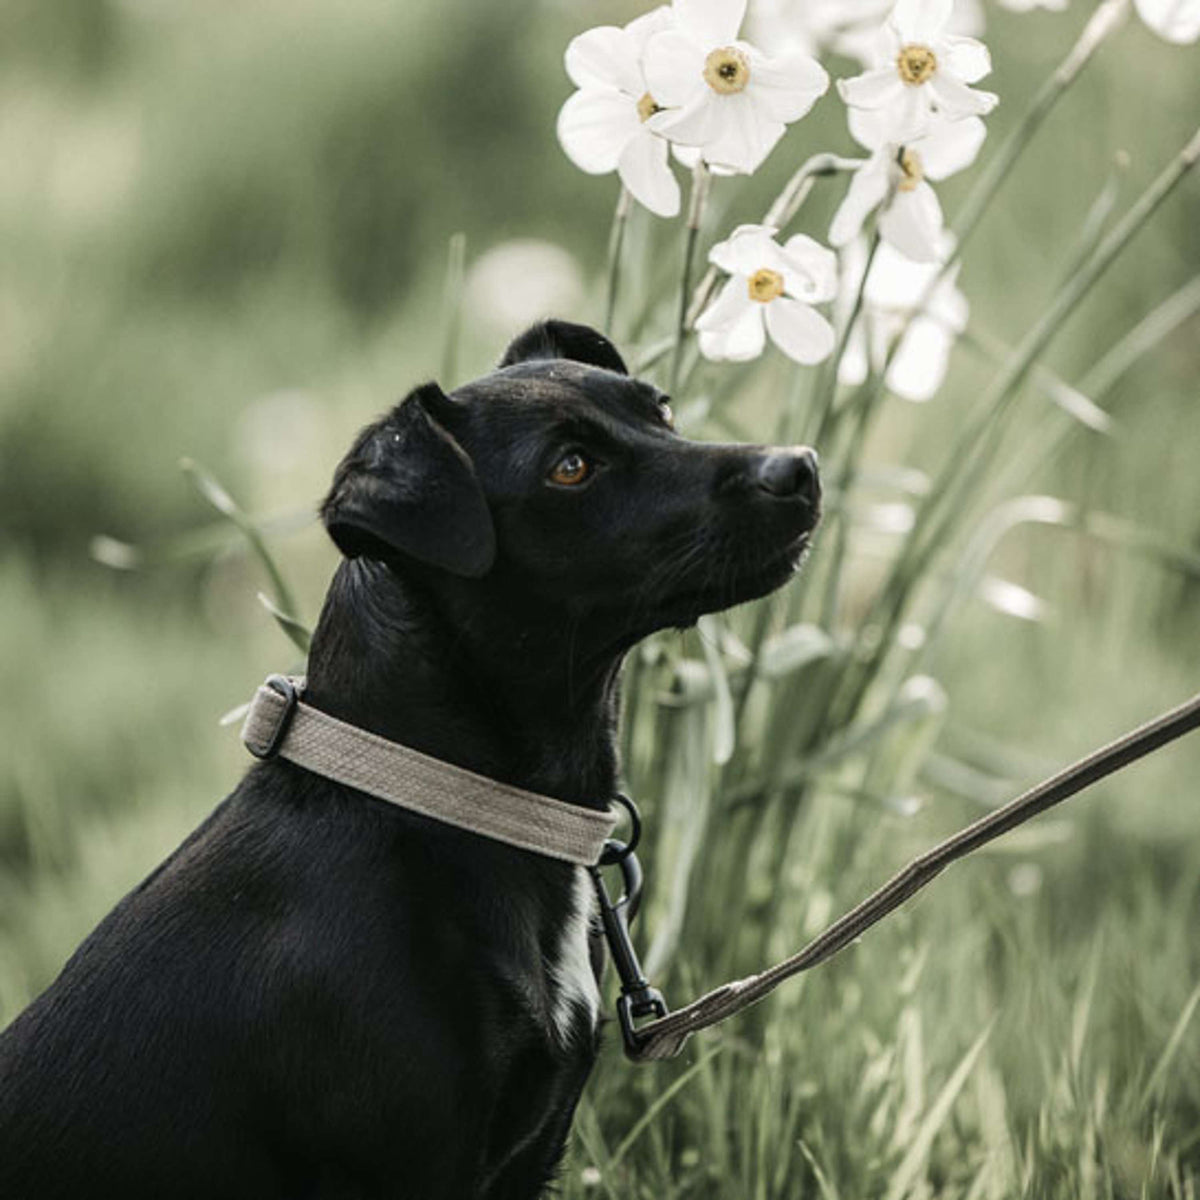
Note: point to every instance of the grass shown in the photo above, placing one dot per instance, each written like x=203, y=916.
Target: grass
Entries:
x=226, y=238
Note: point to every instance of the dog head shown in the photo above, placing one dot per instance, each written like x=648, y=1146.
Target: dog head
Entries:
x=556, y=489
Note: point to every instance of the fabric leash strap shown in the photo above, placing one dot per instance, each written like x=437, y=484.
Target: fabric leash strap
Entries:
x=665, y=1037
x=279, y=723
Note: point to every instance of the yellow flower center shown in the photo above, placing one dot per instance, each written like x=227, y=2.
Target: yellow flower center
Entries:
x=727, y=70
x=915, y=63
x=912, y=171
x=647, y=106
x=764, y=285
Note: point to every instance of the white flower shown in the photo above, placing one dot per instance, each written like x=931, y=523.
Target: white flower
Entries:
x=771, y=289
x=921, y=69
x=912, y=220
x=893, y=290
x=723, y=95
x=1176, y=20
x=604, y=126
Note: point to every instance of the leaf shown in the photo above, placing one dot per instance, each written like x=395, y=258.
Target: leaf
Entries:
x=913, y=1163
x=1159, y=1074
x=299, y=633
x=223, y=502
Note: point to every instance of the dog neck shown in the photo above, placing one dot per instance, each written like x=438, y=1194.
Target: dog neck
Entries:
x=391, y=656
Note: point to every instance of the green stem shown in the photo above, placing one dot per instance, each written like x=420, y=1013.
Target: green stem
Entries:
x=695, y=216
x=616, y=241
x=827, y=378
x=1103, y=22
x=452, y=307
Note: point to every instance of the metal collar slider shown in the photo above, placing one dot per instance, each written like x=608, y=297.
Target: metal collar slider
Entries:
x=290, y=691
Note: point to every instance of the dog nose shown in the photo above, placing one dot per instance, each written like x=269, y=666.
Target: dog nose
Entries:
x=790, y=472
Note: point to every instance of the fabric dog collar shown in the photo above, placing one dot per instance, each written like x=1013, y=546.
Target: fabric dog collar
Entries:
x=279, y=723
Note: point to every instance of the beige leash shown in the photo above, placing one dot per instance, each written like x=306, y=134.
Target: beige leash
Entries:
x=665, y=1036
x=280, y=723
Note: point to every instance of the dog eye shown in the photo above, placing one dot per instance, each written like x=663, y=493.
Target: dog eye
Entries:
x=571, y=469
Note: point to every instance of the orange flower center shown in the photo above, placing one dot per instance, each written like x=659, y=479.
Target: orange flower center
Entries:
x=764, y=285
x=916, y=63
x=727, y=70
x=647, y=106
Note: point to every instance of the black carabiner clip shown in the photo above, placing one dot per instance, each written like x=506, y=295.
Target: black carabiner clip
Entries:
x=638, y=998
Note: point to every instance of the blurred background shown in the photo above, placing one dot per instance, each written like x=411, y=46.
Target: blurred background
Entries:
x=225, y=231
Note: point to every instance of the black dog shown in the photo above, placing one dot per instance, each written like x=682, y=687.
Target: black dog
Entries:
x=321, y=995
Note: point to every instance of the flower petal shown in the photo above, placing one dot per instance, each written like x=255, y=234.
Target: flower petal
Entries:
x=642, y=28
x=919, y=367
x=594, y=126
x=950, y=146
x=788, y=86
x=644, y=171
x=966, y=58
x=746, y=249
x=711, y=22
x=740, y=338
x=869, y=127
x=604, y=57
x=954, y=99
x=921, y=20
x=912, y=115
x=810, y=270
x=852, y=369
x=912, y=223
x=673, y=66
x=799, y=331
x=868, y=187
x=896, y=283
x=729, y=306
x=698, y=123
x=749, y=133
x=1176, y=20
x=872, y=89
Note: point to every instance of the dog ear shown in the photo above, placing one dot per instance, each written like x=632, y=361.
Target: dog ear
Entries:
x=561, y=339
x=407, y=485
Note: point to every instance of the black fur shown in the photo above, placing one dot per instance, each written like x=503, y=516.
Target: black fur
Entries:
x=320, y=995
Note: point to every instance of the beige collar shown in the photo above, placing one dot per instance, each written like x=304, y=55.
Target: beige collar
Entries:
x=279, y=723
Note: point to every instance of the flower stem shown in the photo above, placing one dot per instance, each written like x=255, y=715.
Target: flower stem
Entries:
x=964, y=459
x=825, y=390
x=695, y=215
x=616, y=241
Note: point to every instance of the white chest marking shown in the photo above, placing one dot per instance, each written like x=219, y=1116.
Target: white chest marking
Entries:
x=573, y=984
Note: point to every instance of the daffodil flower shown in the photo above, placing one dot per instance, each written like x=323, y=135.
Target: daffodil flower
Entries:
x=721, y=94
x=894, y=288
x=1176, y=20
x=912, y=219
x=771, y=289
x=605, y=125
x=921, y=70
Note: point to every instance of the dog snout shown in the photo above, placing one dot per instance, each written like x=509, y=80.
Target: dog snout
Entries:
x=789, y=472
